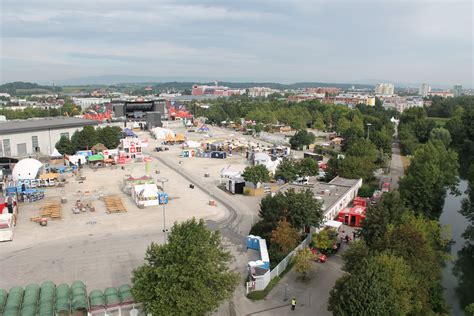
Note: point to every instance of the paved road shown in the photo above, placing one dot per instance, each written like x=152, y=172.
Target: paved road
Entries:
x=396, y=166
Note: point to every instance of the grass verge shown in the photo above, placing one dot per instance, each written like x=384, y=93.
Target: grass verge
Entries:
x=260, y=295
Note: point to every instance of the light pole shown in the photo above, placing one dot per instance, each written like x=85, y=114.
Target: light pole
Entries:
x=163, y=180
x=368, y=129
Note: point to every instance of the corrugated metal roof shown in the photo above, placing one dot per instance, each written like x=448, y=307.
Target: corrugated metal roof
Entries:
x=42, y=124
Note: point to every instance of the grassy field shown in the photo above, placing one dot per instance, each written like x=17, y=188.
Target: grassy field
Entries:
x=440, y=121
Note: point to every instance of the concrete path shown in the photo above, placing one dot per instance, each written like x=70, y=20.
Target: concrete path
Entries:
x=396, y=166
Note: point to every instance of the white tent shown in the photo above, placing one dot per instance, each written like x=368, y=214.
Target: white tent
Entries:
x=26, y=169
x=74, y=159
x=261, y=158
x=145, y=194
x=193, y=144
x=55, y=154
x=161, y=133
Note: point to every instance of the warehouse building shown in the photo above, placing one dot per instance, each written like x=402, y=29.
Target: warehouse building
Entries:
x=334, y=196
x=21, y=138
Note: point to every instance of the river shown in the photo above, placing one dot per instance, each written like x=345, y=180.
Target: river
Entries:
x=458, y=224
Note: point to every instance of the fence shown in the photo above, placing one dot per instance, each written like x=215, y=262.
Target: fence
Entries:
x=261, y=283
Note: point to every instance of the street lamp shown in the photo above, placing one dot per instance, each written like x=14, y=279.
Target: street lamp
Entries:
x=368, y=129
x=163, y=180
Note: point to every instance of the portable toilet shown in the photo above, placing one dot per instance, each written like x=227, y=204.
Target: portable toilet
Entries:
x=250, y=239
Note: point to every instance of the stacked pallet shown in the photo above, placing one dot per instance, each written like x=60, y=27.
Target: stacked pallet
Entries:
x=114, y=204
x=52, y=210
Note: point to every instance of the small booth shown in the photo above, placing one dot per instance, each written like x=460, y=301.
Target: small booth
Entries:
x=7, y=226
x=96, y=160
x=189, y=153
x=131, y=148
x=129, y=182
x=353, y=216
x=219, y=154
x=145, y=194
x=180, y=138
x=336, y=225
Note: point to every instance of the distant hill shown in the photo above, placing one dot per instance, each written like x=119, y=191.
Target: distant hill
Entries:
x=182, y=83
x=19, y=88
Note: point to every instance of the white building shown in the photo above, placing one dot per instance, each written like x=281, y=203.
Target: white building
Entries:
x=255, y=92
x=84, y=103
x=385, y=89
x=424, y=90
x=22, y=138
x=335, y=195
x=4, y=95
x=402, y=103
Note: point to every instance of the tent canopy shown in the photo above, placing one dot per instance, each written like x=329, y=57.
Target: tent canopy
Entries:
x=97, y=157
x=129, y=133
x=55, y=154
x=49, y=175
x=26, y=169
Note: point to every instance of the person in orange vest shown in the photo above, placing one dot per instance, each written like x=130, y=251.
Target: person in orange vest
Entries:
x=293, y=303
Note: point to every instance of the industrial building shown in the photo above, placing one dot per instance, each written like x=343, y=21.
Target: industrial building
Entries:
x=21, y=138
x=139, y=109
x=334, y=195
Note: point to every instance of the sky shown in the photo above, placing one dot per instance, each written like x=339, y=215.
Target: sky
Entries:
x=350, y=41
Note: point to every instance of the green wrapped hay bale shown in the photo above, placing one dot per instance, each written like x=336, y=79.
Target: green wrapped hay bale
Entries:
x=79, y=303
x=63, y=305
x=28, y=311
x=77, y=284
x=125, y=288
x=63, y=291
x=14, y=300
x=11, y=313
x=3, y=299
x=126, y=297
x=79, y=291
x=46, y=310
x=16, y=289
x=32, y=287
x=48, y=284
x=96, y=298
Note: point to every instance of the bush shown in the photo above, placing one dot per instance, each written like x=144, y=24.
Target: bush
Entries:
x=247, y=191
x=367, y=190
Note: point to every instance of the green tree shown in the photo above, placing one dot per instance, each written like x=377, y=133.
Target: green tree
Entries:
x=384, y=286
x=441, y=134
x=287, y=170
x=381, y=216
x=325, y=239
x=307, y=167
x=300, y=209
x=304, y=262
x=285, y=236
x=432, y=171
x=187, y=276
x=256, y=174
x=64, y=146
x=302, y=138
x=109, y=136
x=85, y=139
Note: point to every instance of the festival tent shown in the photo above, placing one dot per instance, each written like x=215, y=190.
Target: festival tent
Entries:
x=203, y=129
x=179, y=138
x=193, y=144
x=76, y=159
x=26, y=169
x=161, y=133
x=55, y=154
x=94, y=158
x=145, y=194
x=129, y=133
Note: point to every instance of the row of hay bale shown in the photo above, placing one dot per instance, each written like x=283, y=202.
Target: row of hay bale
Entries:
x=110, y=297
x=49, y=299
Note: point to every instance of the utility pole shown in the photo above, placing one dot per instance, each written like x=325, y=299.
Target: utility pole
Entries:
x=368, y=130
x=165, y=231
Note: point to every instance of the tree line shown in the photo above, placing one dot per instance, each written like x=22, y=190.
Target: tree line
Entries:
x=88, y=137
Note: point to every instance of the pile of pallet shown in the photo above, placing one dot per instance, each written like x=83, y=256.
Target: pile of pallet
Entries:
x=52, y=210
x=114, y=204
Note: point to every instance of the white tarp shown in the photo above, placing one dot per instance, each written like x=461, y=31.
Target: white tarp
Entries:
x=26, y=169
x=74, y=159
x=193, y=144
x=333, y=224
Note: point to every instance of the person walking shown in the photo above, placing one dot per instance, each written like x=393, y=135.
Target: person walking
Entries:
x=10, y=204
x=293, y=304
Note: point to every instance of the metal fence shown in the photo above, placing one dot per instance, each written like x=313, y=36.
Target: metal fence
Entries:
x=261, y=283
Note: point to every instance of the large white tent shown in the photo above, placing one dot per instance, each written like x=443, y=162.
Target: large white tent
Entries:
x=161, y=133
x=26, y=169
